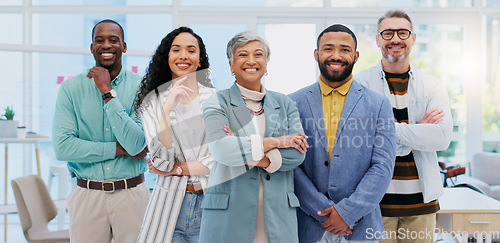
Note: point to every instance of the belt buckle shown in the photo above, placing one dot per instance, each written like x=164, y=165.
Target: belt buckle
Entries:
x=108, y=191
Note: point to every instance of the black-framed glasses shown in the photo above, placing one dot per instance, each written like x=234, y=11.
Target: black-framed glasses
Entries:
x=403, y=34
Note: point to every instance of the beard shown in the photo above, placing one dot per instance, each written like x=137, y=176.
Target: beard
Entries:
x=335, y=76
x=391, y=58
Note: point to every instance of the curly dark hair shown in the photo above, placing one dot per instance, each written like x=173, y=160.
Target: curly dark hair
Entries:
x=159, y=71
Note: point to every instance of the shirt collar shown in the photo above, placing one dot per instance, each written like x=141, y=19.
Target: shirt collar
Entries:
x=120, y=77
x=382, y=73
x=343, y=89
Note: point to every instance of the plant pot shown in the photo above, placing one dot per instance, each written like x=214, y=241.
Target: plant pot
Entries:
x=8, y=128
x=21, y=132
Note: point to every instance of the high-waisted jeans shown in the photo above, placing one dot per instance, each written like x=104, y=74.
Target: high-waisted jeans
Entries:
x=189, y=220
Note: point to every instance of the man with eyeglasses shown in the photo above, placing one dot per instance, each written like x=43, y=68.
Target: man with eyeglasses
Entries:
x=423, y=126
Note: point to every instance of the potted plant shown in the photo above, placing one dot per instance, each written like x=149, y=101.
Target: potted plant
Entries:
x=8, y=127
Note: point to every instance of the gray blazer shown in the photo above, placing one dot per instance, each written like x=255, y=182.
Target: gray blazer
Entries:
x=230, y=203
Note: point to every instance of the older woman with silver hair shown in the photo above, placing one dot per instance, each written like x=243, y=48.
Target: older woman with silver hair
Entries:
x=256, y=139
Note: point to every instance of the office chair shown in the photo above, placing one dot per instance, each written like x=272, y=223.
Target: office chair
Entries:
x=36, y=209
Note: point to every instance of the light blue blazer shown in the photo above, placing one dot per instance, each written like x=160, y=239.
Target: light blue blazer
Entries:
x=230, y=202
x=360, y=170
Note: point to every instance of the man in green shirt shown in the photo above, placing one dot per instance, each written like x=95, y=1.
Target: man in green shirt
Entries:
x=96, y=131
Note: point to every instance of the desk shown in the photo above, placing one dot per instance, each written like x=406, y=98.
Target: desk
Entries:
x=27, y=166
x=465, y=211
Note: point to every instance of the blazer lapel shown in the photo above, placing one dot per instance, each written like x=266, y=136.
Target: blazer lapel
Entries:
x=316, y=107
x=352, y=98
x=240, y=111
x=272, y=114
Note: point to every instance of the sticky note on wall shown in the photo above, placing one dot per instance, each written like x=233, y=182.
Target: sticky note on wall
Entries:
x=60, y=79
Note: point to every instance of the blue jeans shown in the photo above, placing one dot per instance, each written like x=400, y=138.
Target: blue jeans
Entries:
x=188, y=223
x=331, y=238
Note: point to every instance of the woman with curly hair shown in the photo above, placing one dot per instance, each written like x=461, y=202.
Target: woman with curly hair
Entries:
x=169, y=101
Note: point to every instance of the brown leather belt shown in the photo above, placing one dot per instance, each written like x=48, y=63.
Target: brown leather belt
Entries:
x=191, y=188
x=111, y=186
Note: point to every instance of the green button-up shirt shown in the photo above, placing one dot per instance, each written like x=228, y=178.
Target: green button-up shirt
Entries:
x=85, y=128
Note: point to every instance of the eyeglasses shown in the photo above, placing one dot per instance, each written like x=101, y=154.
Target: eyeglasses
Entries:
x=388, y=34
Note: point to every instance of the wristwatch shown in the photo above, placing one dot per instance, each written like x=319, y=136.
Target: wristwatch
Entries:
x=111, y=94
x=178, y=170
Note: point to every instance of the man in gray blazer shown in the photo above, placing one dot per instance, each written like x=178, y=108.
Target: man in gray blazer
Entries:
x=349, y=163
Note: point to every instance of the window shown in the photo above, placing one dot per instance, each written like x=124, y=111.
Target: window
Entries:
x=145, y=31
x=99, y=2
x=215, y=37
x=11, y=94
x=492, y=3
x=11, y=3
x=142, y=31
x=12, y=82
x=292, y=65
x=11, y=29
x=76, y=32
x=491, y=96
x=402, y=4
x=255, y=3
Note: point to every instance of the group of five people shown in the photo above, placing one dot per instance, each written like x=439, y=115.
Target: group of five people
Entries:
x=247, y=164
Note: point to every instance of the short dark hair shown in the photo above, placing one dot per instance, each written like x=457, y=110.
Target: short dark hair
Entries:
x=395, y=13
x=108, y=21
x=338, y=28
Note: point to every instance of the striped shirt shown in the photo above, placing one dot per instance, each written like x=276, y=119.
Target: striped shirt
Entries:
x=166, y=200
x=404, y=196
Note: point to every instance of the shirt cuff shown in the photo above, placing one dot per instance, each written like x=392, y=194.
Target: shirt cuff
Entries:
x=402, y=150
x=114, y=106
x=109, y=150
x=207, y=161
x=164, y=162
x=274, y=157
x=257, y=147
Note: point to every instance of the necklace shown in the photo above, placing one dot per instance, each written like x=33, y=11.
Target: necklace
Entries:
x=259, y=111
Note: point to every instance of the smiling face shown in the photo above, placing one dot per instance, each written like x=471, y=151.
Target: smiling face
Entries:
x=184, y=55
x=336, y=55
x=107, y=46
x=395, y=49
x=249, y=64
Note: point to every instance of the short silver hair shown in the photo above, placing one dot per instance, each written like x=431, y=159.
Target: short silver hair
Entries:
x=395, y=13
x=242, y=39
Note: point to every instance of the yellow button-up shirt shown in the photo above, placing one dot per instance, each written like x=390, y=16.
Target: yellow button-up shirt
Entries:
x=333, y=102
